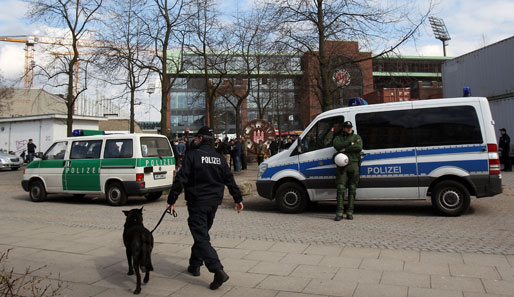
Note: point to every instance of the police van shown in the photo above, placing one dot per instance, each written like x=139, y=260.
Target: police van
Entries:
x=444, y=149
x=117, y=165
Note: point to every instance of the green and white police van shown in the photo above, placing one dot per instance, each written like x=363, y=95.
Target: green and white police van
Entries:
x=117, y=165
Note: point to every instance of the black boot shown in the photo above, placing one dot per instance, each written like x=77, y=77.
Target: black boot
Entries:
x=349, y=217
x=194, y=270
x=338, y=218
x=219, y=278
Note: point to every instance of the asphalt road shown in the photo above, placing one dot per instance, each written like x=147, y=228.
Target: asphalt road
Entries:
x=487, y=228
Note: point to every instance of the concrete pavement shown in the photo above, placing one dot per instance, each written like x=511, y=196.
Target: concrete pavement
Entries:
x=91, y=262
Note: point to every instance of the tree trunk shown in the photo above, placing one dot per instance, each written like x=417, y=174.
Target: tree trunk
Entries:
x=164, y=105
x=132, y=101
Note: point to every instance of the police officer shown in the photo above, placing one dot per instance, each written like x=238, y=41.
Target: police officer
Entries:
x=505, y=150
x=347, y=177
x=203, y=176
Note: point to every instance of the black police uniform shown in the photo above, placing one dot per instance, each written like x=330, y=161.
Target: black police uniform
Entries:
x=203, y=175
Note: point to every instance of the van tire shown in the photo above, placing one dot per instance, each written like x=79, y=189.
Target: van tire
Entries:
x=291, y=198
x=153, y=196
x=450, y=198
x=37, y=191
x=115, y=194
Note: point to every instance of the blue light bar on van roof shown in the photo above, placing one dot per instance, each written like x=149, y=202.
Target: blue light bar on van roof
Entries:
x=357, y=101
x=81, y=132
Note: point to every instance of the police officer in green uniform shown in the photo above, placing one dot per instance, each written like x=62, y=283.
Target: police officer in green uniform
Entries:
x=347, y=177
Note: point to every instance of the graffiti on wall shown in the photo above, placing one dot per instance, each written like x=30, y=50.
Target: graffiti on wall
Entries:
x=21, y=145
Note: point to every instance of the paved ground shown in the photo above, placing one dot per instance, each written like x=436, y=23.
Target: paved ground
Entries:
x=486, y=228
x=388, y=250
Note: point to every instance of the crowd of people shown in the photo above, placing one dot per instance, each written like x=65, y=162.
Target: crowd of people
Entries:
x=235, y=150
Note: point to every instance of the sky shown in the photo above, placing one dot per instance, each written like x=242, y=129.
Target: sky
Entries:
x=472, y=24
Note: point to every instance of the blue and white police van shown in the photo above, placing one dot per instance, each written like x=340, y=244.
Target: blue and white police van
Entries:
x=441, y=148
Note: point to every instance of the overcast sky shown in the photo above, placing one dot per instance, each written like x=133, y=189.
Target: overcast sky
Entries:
x=472, y=24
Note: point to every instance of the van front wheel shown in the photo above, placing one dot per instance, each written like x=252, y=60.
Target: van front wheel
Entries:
x=115, y=194
x=37, y=191
x=450, y=198
x=291, y=198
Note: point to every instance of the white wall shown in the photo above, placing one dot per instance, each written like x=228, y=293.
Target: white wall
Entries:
x=43, y=133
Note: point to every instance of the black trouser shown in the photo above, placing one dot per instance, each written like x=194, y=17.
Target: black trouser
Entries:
x=507, y=165
x=200, y=222
x=243, y=161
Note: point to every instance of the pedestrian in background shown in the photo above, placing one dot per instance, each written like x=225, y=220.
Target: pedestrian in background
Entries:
x=273, y=146
x=244, y=153
x=203, y=176
x=31, y=150
x=505, y=150
x=261, y=151
x=237, y=154
x=181, y=151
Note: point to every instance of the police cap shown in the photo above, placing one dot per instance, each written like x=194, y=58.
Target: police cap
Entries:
x=347, y=124
x=205, y=132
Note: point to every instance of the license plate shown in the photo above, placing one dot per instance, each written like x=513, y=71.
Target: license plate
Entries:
x=159, y=176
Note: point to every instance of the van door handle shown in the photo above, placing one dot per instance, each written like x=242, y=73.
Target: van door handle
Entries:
x=483, y=149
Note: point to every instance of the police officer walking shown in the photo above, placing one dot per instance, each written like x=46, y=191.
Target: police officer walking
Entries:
x=347, y=177
x=203, y=176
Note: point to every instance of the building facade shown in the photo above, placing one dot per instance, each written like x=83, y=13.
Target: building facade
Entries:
x=283, y=88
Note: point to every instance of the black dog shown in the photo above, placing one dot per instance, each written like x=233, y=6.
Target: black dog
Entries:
x=138, y=244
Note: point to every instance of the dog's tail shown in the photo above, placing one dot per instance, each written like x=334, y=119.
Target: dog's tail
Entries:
x=146, y=258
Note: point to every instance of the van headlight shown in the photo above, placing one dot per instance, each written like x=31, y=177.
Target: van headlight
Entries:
x=261, y=169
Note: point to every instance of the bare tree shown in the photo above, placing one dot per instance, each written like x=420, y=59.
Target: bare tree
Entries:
x=207, y=44
x=5, y=93
x=127, y=49
x=252, y=56
x=73, y=17
x=164, y=25
x=309, y=25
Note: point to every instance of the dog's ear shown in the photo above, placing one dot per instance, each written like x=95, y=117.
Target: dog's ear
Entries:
x=141, y=209
x=126, y=212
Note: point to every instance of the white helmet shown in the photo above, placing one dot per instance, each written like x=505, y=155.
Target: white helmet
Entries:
x=341, y=159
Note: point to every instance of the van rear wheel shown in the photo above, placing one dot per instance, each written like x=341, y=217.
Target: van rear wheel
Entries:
x=450, y=198
x=115, y=194
x=291, y=198
x=153, y=196
x=37, y=191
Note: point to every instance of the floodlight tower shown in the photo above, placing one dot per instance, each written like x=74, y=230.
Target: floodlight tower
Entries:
x=440, y=31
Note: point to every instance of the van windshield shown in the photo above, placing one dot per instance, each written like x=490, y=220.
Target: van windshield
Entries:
x=155, y=147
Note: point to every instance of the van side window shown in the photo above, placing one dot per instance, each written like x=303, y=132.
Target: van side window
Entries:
x=118, y=148
x=56, y=151
x=389, y=129
x=447, y=126
x=321, y=135
x=419, y=127
x=86, y=149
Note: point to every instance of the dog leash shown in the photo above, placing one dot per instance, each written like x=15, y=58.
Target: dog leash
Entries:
x=167, y=210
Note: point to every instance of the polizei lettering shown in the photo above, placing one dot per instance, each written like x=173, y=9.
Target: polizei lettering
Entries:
x=158, y=162
x=211, y=160
x=82, y=170
x=385, y=170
